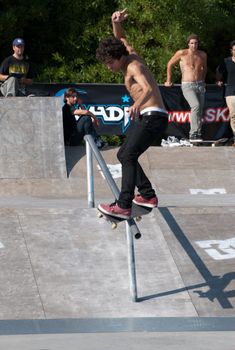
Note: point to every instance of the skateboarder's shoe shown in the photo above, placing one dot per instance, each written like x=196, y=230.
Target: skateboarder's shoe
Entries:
x=195, y=137
x=100, y=143
x=149, y=203
x=114, y=210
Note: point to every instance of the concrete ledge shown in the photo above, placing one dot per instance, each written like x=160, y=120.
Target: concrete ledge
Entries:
x=118, y=325
x=31, y=138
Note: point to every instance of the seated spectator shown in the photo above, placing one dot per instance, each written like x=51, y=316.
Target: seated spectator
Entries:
x=78, y=121
x=15, y=72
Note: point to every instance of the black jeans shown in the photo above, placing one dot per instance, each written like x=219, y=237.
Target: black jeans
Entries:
x=141, y=135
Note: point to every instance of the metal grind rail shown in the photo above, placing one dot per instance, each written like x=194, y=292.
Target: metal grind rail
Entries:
x=132, y=229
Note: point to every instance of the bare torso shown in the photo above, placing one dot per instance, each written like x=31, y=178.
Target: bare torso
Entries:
x=136, y=77
x=192, y=65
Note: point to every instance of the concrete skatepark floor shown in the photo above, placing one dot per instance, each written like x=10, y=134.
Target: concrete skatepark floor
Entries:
x=60, y=264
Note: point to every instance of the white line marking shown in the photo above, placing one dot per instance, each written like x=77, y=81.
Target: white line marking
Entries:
x=115, y=170
x=208, y=191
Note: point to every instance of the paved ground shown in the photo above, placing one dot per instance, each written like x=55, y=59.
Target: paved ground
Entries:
x=64, y=273
x=118, y=334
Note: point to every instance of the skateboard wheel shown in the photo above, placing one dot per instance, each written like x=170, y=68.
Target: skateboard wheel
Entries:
x=138, y=218
x=100, y=215
x=138, y=235
x=114, y=225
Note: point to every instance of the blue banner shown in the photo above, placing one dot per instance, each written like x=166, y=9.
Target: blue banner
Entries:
x=110, y=103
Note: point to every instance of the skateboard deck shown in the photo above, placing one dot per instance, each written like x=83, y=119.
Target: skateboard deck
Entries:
x=137, y=213
x=212, y=143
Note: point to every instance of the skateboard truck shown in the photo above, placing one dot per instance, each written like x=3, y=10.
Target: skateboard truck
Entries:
x=114, y=222
x=137, y=213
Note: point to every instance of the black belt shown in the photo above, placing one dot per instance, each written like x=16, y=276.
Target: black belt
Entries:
x=152, y=113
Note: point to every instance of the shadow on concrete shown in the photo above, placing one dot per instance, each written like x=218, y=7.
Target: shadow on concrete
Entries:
x=72, y=156
x=170, y=292
x=216, y=284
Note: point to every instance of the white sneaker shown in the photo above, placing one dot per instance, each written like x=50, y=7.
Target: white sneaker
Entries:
x=186, y=143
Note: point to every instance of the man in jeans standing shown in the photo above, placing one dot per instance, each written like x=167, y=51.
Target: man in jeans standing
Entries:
x=226, y=72
x=193, y=65
x=149, y=117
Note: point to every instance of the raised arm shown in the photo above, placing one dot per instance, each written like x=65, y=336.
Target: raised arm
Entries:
x=174, y=59
x=117, y=18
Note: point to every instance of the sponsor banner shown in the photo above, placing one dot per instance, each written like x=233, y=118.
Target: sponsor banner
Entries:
x=110, y=103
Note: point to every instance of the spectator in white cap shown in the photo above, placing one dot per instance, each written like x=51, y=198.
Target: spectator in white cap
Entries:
x=16, y=72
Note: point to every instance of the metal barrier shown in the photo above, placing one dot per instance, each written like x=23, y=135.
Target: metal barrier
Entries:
x=132, y=229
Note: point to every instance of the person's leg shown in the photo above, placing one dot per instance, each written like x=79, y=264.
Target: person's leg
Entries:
x=89, y=127
x=190, y=94
x=230, y=101
x=135, y=175
x=10, y=87
x=141, y=137
x=128, y=157
x=85, y=127
x=201, y=97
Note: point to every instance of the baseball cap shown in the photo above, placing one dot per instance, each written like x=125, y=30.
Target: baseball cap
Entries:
x=18, y=41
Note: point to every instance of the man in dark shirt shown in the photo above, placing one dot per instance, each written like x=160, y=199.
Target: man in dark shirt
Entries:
x=15, y=72
x=71, y=135
x=78, y=121
x=226, y=72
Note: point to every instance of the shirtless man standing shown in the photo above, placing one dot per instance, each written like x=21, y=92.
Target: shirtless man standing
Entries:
x=193, y=65
x=149, y=117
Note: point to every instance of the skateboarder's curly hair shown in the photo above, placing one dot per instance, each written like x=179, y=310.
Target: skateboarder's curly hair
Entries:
x=111, y=48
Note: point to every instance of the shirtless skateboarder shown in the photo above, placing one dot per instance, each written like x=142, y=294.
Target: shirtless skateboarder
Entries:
x=148, y=113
